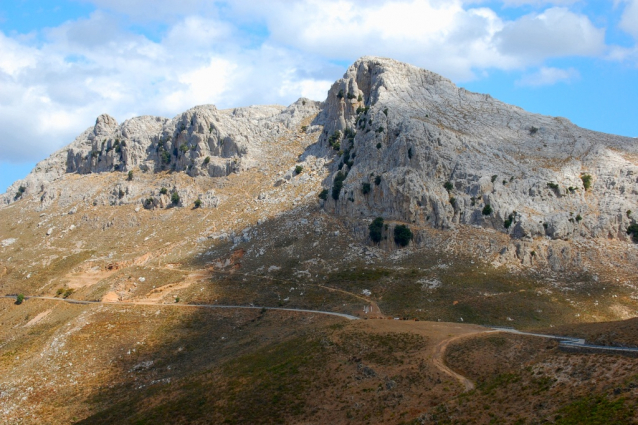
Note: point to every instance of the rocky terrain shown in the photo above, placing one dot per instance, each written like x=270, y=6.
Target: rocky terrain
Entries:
x=516, y=219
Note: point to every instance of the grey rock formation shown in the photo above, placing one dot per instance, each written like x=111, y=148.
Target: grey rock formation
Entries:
x=202, y=141
x=403, y=132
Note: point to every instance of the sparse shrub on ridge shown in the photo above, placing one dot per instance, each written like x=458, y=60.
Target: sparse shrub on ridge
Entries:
x=298, y=169
x=338, y=185
x=402, y=235
x=376, y=229
x=487, y=209
x=448, y=186
x=633, y=231
x=198, y=203
x=586, y=178
x=175, y=198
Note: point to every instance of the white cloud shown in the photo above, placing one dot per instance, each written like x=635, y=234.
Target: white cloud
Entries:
x=547, y=76
x=555, y=32
x=629, y=19
x=53, y=84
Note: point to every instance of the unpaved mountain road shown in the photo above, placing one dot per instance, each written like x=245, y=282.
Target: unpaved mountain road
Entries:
x=128, y=303
x=440, y=334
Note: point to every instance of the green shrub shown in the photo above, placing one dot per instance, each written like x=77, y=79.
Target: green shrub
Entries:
x=579, y=218
x=198, y=203
x=175, y=198
x=633, y=231
x=298, y=169
x=338, y=185
x=176, y=299
x=149, y=202
x=20, y=192
x=377, y=180
x=628, y=213
x=183, y=148
x=165, y=156
x=334, y=140
x=163, y=191
x=586, y=178
x=323, y=194
x=207, y=160
x=121, y=194
x=448, y=185
x=59, y=292
x=19, y=299
x=385, y=111
x=533, y=130
x=351, y=96
x=487, y=209
x=379, y=145
x=453, y=201
x=365, y=188
x=376, y=229
x=130, y=176
x=360, y=98
x=340, y=94
x=402, y=235
x=409, y=153
x=494, y=177
x=380, y=129
x=552, y=185
x=304, y=128
x=68, y=293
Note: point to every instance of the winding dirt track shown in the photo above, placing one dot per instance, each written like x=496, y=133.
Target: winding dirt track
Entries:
x=439, y=333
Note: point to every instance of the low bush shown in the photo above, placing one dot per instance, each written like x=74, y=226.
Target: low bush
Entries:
x=298, y=169
x=633, y=231
x=487, y=209
x=453, y=201
x=198, y=203
x=494, y=177
x=586, y=178
x=67, y=293
x=163, y=191
x=175, y=198
x=448, y=186
x=376, y=229
x=377, y=180
x=130, y=176
x=338, y=185
x=323, y=194
x=20, y=192
x=552, y=185
x=207, y=160
x=19, y=299
x=365, y=188
x=402, y=235
x=409, y=153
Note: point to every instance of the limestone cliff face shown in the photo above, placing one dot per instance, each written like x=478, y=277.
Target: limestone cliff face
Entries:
x=400, y=133
x=202, y=141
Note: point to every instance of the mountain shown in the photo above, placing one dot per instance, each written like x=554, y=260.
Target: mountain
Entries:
x=399, y=196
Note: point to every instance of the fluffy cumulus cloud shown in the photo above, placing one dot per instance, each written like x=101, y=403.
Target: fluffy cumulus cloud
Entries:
x=547, y=76
x=54, y=83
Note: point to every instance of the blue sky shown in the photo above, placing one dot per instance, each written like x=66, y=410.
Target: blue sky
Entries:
x=62, y=63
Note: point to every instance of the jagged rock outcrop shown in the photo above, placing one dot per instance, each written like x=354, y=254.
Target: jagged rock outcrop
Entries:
x=202, y=141
x=400, y=135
